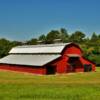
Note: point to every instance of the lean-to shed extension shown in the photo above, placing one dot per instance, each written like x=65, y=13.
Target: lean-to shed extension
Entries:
x=47, y=59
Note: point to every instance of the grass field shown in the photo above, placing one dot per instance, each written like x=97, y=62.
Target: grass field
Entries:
x=73, y=86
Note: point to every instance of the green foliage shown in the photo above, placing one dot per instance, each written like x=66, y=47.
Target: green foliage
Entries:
x=94, y=58
x=94, y=37
x=42, y=39
x=64, y=35
x=77, y=37
x=32, y=42
x=51, y=36
x=4, y=47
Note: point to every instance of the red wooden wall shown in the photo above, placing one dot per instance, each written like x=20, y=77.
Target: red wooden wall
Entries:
x=28, y=69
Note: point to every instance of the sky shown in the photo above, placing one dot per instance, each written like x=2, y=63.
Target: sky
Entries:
x=25, y=19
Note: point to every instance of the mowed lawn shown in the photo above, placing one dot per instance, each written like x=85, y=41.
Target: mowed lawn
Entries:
x=73, y=86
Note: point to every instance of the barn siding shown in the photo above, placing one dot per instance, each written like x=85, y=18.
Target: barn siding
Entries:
x=28, y=69
x=72, y=50
x=84, y=61
x=61, y=64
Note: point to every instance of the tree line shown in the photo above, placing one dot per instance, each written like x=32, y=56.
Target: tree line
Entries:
x=90, y=45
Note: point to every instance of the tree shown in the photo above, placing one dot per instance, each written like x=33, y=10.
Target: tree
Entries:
x=99, y=36
x=15, y=43
x=77, y=37
x=4, y=47
x=94, y=37
x=98, y=40
x=42, y=39
x=32, y=42
x=64, y=35
x=51, y=36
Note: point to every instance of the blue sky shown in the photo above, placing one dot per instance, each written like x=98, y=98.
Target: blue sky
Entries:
x=26, y=19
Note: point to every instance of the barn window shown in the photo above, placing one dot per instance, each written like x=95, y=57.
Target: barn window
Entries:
x=87, y=67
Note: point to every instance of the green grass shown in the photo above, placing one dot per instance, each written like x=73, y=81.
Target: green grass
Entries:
x=74, y=86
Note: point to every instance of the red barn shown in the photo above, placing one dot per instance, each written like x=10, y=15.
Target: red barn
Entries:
x=47, y=59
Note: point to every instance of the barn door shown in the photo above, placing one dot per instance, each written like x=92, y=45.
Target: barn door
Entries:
x=72, y=63
x=51, y=69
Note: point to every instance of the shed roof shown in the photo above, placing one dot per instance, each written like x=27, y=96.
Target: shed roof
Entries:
x=38, y=60
x=51, y=48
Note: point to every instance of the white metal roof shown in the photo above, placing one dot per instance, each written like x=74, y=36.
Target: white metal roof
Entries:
x=37, y=60
x=51, y=48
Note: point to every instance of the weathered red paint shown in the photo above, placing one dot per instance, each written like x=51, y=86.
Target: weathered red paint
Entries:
x=23, y=69
x=72, y=49
x=86, y=61
x=62, y=64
